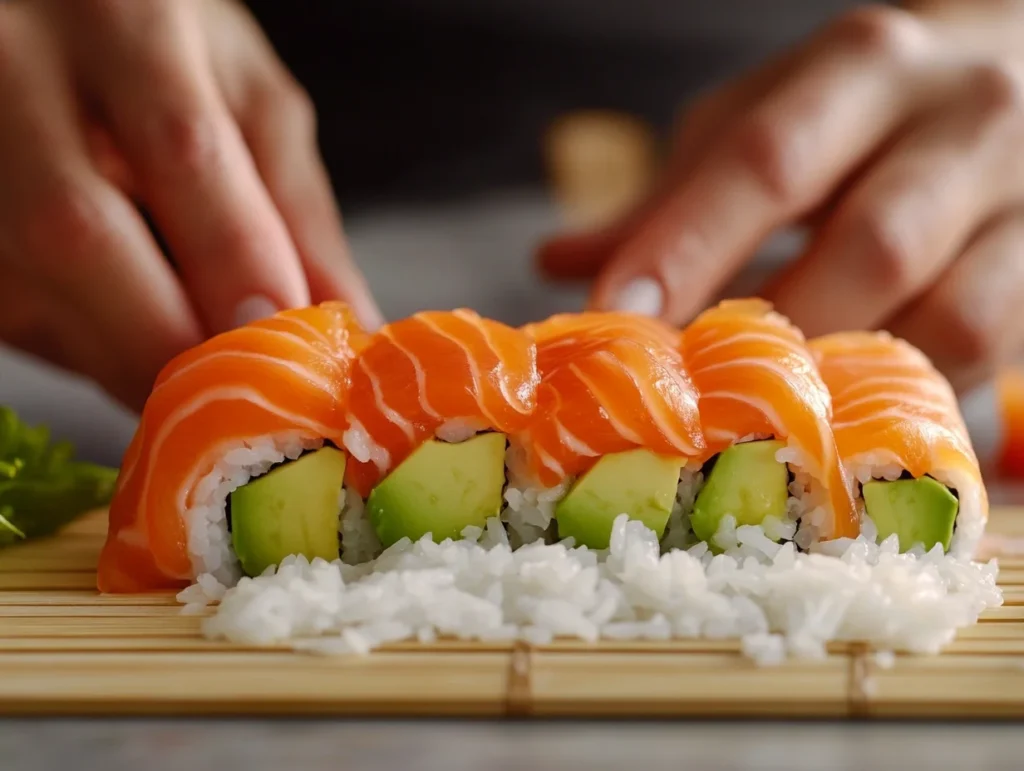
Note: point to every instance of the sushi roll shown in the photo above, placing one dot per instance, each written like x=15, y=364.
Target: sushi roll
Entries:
x=771, y=459
x=615, y=430
x=434, y=399
x=236, y=462
x=904, y=442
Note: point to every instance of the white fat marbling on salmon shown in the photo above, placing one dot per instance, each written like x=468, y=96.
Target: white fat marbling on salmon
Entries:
x=132, y=458
x=515, y=400
x=191, y=407
x=549, y=463
x=623, y=430
x=752, y=337
x=130, y=464
x=134, y=536
x=902, y=357
x=307, y=374
x=474, y=369
x=360, y=444
x=392, y=415
x=306, y=327
x=421, y=375
x=656, y=409
x=852, y=401
x=910, y=395
x=894, y=412
x=573, y=442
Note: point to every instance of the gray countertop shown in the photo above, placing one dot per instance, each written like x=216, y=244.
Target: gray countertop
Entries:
x=477, y=255
x=454, y=746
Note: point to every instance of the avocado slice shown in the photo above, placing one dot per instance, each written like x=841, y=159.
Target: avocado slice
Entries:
x=441, y=488
x=637, y=483
x=747, y=482
x=917, y=510
x=292, y=509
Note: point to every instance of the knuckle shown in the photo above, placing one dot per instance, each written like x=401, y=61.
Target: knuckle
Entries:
x=185, y=141
x=288, y=104
x=880, y=30
x=58, y=223
x=1000, y=88
x=299, y=103
x=889, y=253
x=238, y=240
x=768, y=150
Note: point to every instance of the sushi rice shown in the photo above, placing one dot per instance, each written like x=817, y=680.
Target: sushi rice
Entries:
x=778, y=589
x=969, y=526
x=777, y=601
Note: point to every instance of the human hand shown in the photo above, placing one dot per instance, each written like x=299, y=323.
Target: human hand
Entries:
x=895, y=136
x=179, y=107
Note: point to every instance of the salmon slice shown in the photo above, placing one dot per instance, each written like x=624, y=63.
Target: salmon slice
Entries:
x=892, y=408
x=887, y=397
x=444, y=373
x=288, y=374
x=757, y=377
x=610, y=382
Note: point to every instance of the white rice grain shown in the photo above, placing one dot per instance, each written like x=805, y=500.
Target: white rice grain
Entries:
x=359, y=542
x=778, y=602
x=460, y=429
x=209, y=542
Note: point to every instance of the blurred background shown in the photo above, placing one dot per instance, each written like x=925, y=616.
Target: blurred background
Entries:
x=459, y=133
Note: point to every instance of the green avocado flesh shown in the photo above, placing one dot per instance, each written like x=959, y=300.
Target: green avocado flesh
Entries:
x=440, y=489
x=637, y=483
x=293, y=509
x=917, y=510
x=747, y=482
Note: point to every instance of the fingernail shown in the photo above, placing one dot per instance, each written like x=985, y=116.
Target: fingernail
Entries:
x=254, y=308
x=641, y=295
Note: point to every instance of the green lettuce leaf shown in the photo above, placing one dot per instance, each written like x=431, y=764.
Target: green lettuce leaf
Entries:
x=42, y=487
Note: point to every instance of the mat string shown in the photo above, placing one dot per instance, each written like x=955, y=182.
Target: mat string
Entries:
x=519, y=694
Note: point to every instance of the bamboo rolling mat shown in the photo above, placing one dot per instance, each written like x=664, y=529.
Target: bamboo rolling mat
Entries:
x=64, y=649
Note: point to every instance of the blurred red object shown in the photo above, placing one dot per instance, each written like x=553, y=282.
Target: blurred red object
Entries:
x=1010, y=393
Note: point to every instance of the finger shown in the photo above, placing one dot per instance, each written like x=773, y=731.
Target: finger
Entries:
x=108, y=160
x=279, y=124
x=148, y=65
x=581, y=255
x=969, y=322
x=26, y=322
x=294, y=174
x=912, y=214
x=72, y=235
x=37, y=323
x=784, y=157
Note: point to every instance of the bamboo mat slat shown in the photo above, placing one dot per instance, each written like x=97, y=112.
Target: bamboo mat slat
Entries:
x=990, y=685
x=64, y=649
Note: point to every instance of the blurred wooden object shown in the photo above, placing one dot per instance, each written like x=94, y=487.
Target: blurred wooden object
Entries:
x=599, y=164
x=64, y=649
